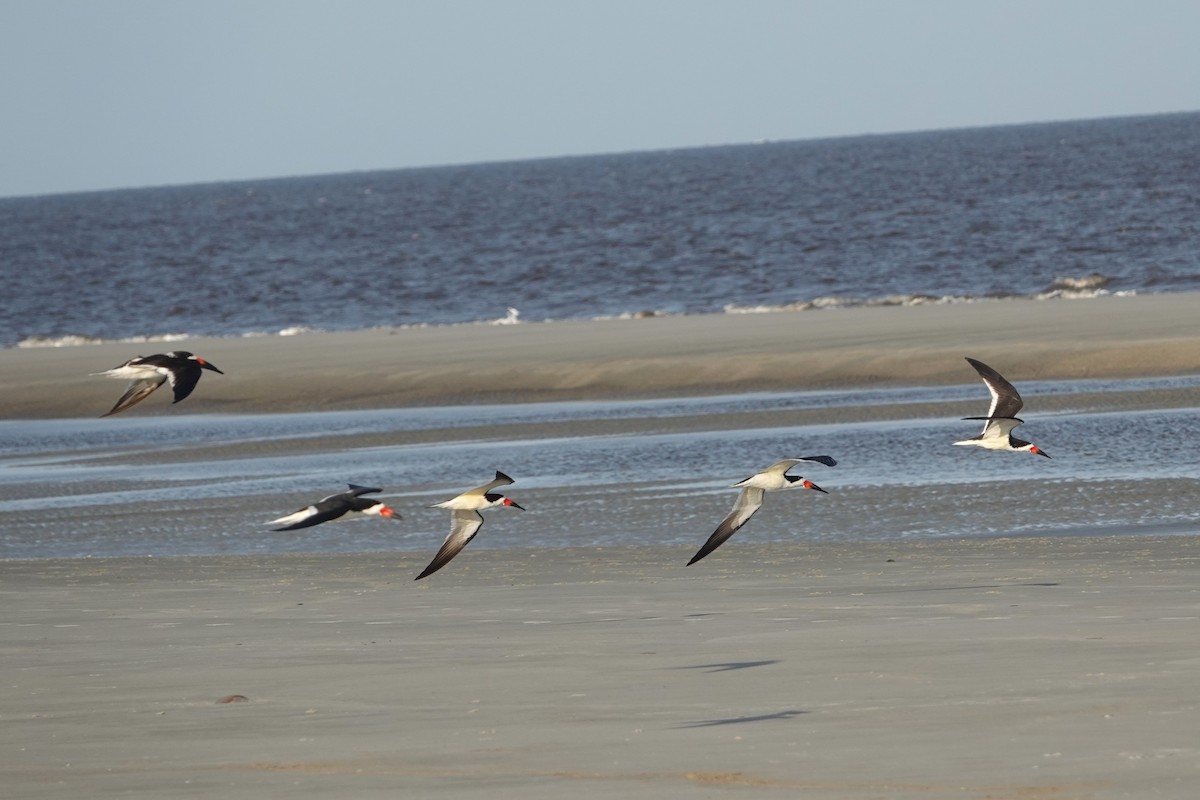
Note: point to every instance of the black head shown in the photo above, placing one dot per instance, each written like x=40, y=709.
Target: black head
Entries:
x=805, y=482
x=497, y=499
x=1021, y=444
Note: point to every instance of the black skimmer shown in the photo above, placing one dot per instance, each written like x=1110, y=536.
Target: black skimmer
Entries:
x=147, y=373
x=751, y=497
x=466, y=519
x=1002, y=415
x=336, y=506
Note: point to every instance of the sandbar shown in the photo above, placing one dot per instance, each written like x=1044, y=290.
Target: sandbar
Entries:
x=1105, y=337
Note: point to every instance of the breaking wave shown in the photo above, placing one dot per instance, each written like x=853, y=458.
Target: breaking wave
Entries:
x=511, y=317
x=1066, y=288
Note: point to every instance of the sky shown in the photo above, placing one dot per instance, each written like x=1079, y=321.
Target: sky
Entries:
x=131, y=93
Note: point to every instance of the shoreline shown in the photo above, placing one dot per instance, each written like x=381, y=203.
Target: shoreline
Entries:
x=1105, y=337
x=480, y=561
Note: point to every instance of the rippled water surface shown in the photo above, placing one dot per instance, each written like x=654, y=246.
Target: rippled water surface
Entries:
x=1104, y=204
x=656, y=471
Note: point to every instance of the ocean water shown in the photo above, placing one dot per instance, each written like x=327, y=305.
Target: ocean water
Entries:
x=1036, y=210
x=207, y=484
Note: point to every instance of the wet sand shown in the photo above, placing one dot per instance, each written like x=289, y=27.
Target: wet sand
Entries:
x=1005, y=668
x=1116, y=337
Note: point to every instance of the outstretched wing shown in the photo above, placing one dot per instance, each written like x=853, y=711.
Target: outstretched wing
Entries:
x=139, y=389
x=748, y=501
x=184, y=379
x=1006, y=402
x=500, y=480
x=328, y=509
x=466, y=525
x=788, y=463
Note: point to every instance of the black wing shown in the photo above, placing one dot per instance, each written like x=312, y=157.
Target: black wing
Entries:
x=184, y=378
x=828, y=461
x=466, y=525
x=328, y=509
x=138, y=391
x=1006, y=402
x=749, y=500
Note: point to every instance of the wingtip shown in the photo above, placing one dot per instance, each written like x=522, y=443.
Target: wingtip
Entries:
x=828, y=461
x=983, y=369
x=433, y=566
x=118, y=408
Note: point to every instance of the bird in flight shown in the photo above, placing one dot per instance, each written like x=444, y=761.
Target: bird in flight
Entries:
x=750, y=499
x=1002, y=415
x=146, y=373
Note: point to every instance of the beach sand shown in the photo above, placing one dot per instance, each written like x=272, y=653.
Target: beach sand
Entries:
x=1031, y=668
x=1115, y=337
x=1003, y=668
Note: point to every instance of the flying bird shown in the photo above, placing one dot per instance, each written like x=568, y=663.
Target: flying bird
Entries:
x=147, y=373
x=337, y=506
x=1002, y=415
x=751, y=497
x=465, y=519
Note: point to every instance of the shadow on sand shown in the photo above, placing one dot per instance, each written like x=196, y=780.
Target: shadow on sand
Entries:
x=710, y=723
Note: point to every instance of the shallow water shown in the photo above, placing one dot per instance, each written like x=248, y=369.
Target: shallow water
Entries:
x=601, y=474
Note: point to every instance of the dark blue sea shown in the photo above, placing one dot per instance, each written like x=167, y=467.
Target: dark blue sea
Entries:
x=1107, y=205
